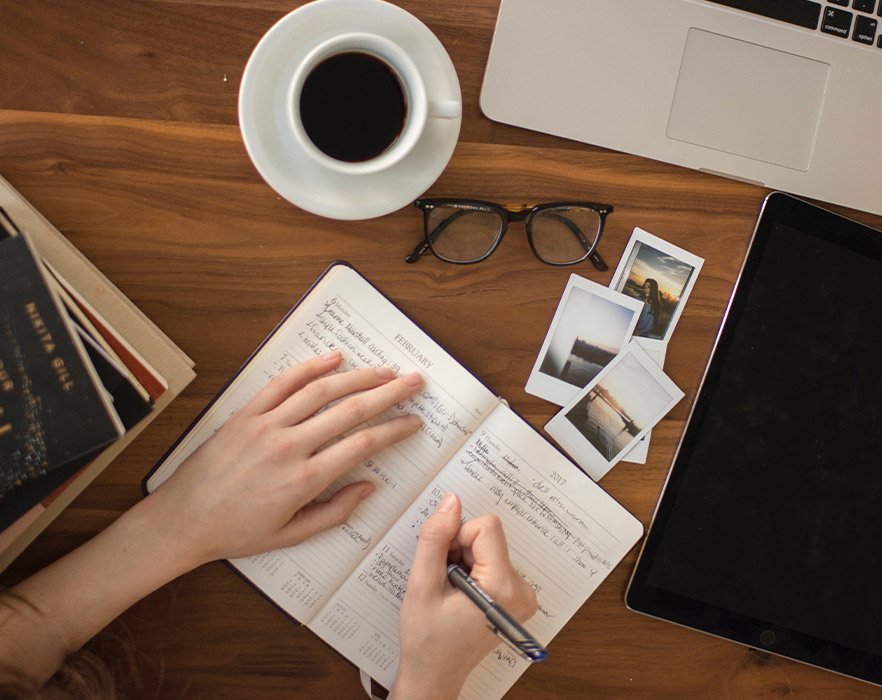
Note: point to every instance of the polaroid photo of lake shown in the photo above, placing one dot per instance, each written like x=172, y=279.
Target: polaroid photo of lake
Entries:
x=661, y=276
x=613, y=413
x=590, y=326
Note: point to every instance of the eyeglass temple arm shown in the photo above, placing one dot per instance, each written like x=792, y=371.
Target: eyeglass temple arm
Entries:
x=594, y=257
x=422, y=247
x=417, y=253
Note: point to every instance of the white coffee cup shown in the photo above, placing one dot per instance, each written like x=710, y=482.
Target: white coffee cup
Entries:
x=418, y=107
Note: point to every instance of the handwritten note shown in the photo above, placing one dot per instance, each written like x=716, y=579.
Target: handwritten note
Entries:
x=343, y=312
x=565, y=535
x=399, y=473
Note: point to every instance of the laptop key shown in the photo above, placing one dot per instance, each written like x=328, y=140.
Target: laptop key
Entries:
x=864, y=5
x=836, y=22
x=802, y=13
x=844, y=3
x=864, y=30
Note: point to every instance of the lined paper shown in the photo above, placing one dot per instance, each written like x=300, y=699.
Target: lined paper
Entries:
x=565, y=534
x=344, y=312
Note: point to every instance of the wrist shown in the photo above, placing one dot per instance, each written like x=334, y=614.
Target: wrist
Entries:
x=415, y=680
x=154, y=525
x=72, y=599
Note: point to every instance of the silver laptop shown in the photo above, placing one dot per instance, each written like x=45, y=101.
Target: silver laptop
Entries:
x=781, y=93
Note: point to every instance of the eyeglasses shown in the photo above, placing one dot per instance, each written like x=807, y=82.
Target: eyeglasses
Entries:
x=464, y=231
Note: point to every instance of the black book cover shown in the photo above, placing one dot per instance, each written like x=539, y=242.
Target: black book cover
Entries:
x=127, y=402
x=52, y=408
x=22, y=498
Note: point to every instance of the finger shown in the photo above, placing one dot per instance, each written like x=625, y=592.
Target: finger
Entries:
x=483, y=543
x=291, y=381
x=338, y=458
x=352, y=412
x=321, y=392
x=429, y=570
x=318, y=517
x=486, y=551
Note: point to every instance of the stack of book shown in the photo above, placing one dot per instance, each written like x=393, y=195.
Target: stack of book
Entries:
x=82, y=372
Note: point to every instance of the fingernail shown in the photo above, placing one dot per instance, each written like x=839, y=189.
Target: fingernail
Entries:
x=333, y=355
x=385, y=372
x=414, y=420
x=413, y=378
x=447, y=503
x=366, y=491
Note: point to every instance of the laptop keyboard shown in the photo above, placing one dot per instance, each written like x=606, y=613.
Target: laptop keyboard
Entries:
x=857, y=20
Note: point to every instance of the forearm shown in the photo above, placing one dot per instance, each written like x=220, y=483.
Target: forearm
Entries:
x=57, y=610
x=420, y=681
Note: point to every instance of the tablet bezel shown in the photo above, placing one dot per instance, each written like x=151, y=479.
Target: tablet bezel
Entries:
x=778, y=208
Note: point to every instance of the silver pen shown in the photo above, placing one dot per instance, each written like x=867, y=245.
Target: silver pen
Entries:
x=502, y=624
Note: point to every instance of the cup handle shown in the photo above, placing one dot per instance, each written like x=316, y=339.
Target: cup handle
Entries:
x=445, y=109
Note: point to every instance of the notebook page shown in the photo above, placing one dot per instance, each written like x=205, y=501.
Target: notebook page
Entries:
x=344, y=311
x=565, y=534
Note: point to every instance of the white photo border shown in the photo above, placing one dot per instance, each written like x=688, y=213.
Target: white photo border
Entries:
x=656, y=351
x=577, y=445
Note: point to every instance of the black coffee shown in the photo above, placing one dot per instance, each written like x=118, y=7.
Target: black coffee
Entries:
x=352, y=106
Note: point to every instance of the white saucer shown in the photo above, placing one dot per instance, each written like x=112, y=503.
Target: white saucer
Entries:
x=271, y=143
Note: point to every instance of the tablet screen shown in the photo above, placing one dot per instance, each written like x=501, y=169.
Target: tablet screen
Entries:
x=769, y=531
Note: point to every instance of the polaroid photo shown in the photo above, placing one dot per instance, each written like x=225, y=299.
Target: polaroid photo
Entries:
x=613, y=413
x=590, y=326
x=661, y=276
x=656, y=351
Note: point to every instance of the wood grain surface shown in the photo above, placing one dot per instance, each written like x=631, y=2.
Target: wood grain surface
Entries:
x=118, y=121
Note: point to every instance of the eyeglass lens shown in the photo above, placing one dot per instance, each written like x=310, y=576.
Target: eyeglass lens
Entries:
x=465, y=233
x=462, y=234
x=564, y=234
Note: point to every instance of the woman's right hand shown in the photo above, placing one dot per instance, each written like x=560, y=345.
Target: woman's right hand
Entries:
x=443, y=635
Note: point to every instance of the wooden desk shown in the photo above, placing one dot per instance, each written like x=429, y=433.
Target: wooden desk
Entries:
x=118, y=121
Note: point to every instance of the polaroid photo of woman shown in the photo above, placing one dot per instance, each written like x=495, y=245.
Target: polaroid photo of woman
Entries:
x=661, y=276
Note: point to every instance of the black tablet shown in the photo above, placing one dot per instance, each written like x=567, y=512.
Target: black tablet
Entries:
x=769, y=528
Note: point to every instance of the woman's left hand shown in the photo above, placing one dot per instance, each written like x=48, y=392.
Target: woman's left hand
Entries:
x=249, y=488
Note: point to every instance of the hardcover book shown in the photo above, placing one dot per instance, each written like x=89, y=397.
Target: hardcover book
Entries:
x=53, y=407
x=135, y=369
x=565, y=533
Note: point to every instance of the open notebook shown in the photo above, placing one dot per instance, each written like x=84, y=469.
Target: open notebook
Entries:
x=565, y=533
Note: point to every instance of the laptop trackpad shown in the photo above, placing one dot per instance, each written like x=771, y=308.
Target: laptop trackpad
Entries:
x=749, y=100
